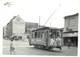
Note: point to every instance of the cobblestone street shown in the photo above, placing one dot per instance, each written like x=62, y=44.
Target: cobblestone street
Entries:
x=23, y=48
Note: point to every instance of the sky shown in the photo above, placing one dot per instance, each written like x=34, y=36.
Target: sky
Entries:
x=30, y=10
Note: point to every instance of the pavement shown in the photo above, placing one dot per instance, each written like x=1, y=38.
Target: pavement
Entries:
x=23, y=48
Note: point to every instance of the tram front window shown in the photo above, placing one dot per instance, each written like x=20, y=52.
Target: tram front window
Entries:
x=54, y=34
x=34, y=34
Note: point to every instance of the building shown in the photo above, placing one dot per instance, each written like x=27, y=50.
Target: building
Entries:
x=9, y=29
x=71, y=29
x=16, y=27
x=30, y=26
x=4, y=32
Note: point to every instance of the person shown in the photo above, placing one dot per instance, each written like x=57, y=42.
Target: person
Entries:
x=59, y=42
x=52, y=41
x=12, y=49
x=69, y=43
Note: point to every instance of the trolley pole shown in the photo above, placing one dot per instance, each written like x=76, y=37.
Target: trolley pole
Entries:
x=52, y=14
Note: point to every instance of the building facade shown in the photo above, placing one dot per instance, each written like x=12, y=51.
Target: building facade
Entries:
x=16, y=27
x=30, y=26
x=71, y=29
x=4, y=32
x=9, y=29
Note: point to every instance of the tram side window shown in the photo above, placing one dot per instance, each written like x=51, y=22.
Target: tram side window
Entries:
x=60, y=33
x=38, y=34
x=35, y=34
x=43, y=35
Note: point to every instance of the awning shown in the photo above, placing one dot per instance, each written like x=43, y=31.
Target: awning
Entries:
x=70, y=34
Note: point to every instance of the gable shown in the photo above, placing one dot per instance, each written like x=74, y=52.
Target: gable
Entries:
x=18, y=19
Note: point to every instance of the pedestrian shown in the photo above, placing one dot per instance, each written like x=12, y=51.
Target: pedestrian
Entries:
x=69, y=43
x=12, y=49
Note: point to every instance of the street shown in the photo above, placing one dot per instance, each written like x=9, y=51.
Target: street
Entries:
x=23, y=48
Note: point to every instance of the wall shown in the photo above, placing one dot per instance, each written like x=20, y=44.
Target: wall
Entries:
x=18, y=25
x=9, y=29
x=71, y=23
x=30, y=26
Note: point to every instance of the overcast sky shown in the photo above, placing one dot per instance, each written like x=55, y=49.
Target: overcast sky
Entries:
x=30, y=11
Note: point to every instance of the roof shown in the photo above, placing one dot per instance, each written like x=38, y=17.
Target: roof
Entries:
x=71, y=15
x=31, y=23
x=44, y=28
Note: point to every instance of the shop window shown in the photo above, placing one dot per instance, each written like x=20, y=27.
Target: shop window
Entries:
x=72, y=22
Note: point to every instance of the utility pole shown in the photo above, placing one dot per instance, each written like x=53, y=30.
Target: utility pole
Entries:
x=39, y=21
x=50, y=24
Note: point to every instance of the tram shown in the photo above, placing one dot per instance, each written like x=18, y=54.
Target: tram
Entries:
x=46, y=38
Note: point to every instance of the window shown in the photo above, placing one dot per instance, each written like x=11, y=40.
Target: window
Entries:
x=35, y=34
x=54, y=34
x=72, y=22
x=38, y=34
x=57, y=34
x=43, y=35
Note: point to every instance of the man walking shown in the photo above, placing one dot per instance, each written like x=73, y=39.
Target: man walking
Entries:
x=69, y=43
x=12, y=49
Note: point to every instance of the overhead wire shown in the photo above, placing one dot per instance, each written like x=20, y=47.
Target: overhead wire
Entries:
x=52, y=14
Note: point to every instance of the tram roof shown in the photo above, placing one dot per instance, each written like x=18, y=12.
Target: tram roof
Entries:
x=44, y=28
